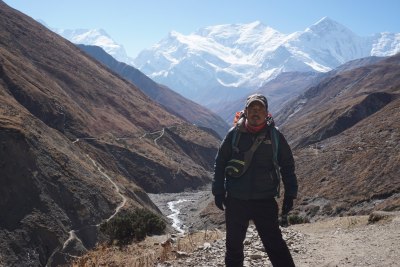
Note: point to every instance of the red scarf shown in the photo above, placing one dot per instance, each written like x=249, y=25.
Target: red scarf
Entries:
x=254, y=129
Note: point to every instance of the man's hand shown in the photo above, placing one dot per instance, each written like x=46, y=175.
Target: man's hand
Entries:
x=220, y=201
x=287, y=204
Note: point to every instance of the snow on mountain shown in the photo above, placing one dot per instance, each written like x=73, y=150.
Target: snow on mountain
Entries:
x=385, y=44
x=97, y=37
x=326, y=45
x=224, y=62
x=218, y=57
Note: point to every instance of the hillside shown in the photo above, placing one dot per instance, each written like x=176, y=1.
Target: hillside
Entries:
x=279, y=91
x=172, y=101
x=345, y=136
x=79, y=144
x=287, y=86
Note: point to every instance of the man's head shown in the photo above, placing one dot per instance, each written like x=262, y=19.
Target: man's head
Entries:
x=256, y=109
x=257, y=98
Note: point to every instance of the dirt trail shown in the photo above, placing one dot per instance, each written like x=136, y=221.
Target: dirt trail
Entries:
x=337, y=242
x=350, y=241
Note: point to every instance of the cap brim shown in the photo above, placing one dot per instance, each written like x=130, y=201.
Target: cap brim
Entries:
x=255, y=100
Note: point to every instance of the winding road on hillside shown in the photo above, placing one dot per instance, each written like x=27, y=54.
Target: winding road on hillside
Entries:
x=116, y=188
x=73, y=233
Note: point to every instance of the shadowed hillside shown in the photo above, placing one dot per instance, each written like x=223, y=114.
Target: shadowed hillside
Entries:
x=79, y=144
x=171, y=100
x=285, y=87
x=345, y=132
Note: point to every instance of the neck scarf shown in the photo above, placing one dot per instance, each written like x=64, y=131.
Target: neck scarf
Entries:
x=254, y=129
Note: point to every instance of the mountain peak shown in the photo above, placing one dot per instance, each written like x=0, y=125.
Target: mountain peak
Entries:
x=174, y=34
x=255, y=24
x=229, y=30
x=326, y=25
x=326, y=19
x=221, y=57
x=97, y=37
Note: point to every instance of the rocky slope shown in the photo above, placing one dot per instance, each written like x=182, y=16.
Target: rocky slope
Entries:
x=345, y=136
x=78, y=144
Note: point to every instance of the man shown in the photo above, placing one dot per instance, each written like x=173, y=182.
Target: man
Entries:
x=247, y=171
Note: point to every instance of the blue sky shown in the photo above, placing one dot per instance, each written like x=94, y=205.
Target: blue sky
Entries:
x=139, y=24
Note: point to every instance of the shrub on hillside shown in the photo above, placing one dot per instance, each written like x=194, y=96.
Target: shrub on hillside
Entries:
x=377, y=216
x=127, y=226
x=297, y=219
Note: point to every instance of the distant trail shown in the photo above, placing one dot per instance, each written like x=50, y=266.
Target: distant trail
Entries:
x=72, y=233
x=117, y=190
x=162, y=131
x=83, y=138
x=161, y=135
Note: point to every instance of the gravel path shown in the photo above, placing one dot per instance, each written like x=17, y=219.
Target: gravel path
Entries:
x=350, y=241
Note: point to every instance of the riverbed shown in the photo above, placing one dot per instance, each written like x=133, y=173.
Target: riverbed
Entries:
x=183, y=209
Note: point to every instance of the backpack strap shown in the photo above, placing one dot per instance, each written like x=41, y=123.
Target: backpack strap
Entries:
x=275, y=148
x=235, y=139
x=238, y=167
x=248, y=155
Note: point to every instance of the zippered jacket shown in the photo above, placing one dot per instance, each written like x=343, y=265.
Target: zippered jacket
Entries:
x=260, y=181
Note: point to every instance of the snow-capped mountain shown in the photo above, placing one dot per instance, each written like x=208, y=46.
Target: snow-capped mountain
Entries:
x=97, y=37
x=224, y=62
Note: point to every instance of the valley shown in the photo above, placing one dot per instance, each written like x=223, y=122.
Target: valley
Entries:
x=84, y=138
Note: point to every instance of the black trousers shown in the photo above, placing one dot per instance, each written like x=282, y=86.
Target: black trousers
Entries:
x=264, y=214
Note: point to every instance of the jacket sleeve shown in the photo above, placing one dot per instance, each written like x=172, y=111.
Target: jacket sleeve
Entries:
x=287, y=167
x=223, y=156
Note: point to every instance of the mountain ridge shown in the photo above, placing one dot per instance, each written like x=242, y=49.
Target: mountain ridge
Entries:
x=172, y=101
x=79, y=144
x=315, y=49
x=97, y=37
x=225, y=63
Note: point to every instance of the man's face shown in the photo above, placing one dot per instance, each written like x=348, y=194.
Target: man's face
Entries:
x=256, y=113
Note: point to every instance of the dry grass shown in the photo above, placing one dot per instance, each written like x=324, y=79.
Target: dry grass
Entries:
x=153, y=250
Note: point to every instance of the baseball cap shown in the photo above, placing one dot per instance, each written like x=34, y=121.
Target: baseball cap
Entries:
x=257, y=97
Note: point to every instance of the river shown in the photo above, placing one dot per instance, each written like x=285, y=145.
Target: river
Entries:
x=182, y=208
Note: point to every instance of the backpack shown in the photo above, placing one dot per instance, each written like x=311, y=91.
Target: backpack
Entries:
x=237, y=167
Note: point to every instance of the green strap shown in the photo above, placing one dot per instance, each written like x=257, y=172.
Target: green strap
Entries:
x=235, y=139
x=275, y=147
x=249, y=154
